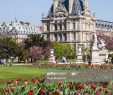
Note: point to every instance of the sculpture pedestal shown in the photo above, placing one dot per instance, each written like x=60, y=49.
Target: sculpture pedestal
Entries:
x=103, y=55
x=79, y=59
x=52, y=60
x=96, y=58
x=52, y=57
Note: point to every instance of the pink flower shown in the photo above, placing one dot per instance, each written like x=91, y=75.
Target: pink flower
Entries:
x=112, y=86
x=77, y=94
x=42, y=91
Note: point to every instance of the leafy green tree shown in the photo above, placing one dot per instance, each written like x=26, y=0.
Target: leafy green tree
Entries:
x=8, y=47
x=23, y=55
x=36, y=40
x=62, y=49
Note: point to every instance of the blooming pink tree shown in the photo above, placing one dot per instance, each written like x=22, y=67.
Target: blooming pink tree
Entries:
x=35, y=53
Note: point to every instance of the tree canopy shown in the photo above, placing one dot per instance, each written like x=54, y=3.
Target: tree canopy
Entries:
x=36, y=40
x=8, y=47
x=63, y=49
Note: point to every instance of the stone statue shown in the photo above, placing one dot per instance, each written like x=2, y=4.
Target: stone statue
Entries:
x=95, y=41
x=79, y=51
x=102, y=44
x=52, y=57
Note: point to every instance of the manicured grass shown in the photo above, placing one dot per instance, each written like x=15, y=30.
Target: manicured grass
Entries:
x=7, y=73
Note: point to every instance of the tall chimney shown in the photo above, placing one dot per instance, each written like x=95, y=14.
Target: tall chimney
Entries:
x=55, y=4
x=70, y=2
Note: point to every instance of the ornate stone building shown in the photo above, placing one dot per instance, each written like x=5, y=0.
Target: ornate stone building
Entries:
x=19, y=30
x=72, y=21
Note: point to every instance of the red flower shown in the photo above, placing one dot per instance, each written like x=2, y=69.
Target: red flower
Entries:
x=88, y=82
x=100, y=89
x=42, y=91
x=38, y=80
x=81, y=86
x=60, y=83
x=87, y=91
x=77, y=86
x=12, y=90
x=107, y=91
x=31, y=92
x=3, y=81
x=33, y=80
x=12, y=81
x=6, y=89
x=57, y=92
x=18, y=81
x=93, y=86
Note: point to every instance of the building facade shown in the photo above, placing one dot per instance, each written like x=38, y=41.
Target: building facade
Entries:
x=19, y=30
x=72, y=21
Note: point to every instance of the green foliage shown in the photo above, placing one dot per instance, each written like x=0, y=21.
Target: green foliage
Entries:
x=110, y=55
x=36, y=40
x=62, y=49
x=23, y=55
x=8, y=48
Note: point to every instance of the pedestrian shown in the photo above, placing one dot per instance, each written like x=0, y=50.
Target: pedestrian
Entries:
x=89, y=59
x=112, y=60
x=84, y=58
x=64, y=59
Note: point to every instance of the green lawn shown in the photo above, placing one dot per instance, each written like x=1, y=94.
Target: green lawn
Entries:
x=7, y=73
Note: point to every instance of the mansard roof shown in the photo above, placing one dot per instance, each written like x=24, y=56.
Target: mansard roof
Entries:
x=100, y=24
x=77, y=7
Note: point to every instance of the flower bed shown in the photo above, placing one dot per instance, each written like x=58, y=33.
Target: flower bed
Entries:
x=42, y=87
x=75, y=66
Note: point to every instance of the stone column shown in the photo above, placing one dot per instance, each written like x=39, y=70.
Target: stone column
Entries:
x=70, y=36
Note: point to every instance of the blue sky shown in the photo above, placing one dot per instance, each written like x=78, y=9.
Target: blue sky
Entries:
x=31, y=10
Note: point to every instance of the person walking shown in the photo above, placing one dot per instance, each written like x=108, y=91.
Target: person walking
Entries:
x=112, y=60
x=89, y=59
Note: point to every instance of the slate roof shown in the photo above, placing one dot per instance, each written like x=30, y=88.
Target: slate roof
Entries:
x=76, y=8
